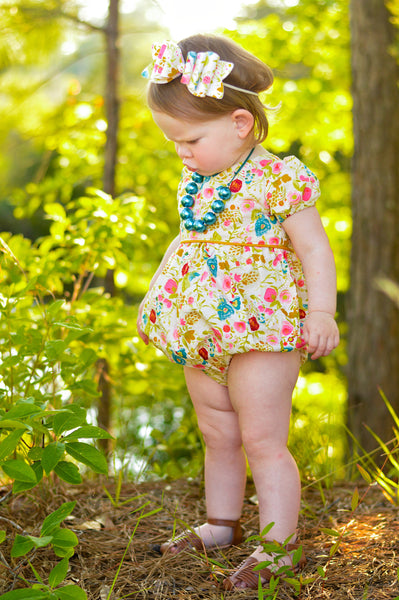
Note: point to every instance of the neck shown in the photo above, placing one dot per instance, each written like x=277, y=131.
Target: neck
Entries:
x=249, y=148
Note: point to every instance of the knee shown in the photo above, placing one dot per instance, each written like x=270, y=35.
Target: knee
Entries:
x=263, y=446
x=216, y=437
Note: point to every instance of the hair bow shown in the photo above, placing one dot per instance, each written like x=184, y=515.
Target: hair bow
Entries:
x=203, y=72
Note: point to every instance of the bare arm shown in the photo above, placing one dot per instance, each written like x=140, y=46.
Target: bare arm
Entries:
x=171, y=248
x=312, y=247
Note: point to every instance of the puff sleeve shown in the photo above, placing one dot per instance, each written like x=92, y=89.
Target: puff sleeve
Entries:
x=292, y=188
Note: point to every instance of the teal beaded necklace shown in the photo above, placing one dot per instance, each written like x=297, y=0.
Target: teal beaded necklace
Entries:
x=218, y=205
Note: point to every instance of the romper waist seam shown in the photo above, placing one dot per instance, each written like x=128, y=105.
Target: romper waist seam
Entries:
x=242, y=244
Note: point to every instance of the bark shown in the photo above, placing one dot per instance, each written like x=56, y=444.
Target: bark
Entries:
x=104, y=406
x=110, y=160
x=111, y=97
x=373, y=319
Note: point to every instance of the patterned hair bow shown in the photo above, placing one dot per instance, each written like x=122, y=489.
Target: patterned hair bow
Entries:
x=203, y=72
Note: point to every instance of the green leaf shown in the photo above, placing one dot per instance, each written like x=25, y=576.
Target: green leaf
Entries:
x=55, y=307
x=366, y=476
x=55, y=211
x=21, y=546
x=35, y=453
x=71, y=592
x=88, y=431
x=20, y=411
x=52, y=521
x=11, y=424
x=334, y=548
x=332, y=532
x=20, y=486
x=69, y=419
x=40, y=542
x=58, y=573
x=8, y=445
x=88, y=455
x=73, y=326
x=38, y=469
x=25, y=594
x=19, y=470
x=54, y=349
x=321, y=571
x=52, y=454
x=297, y=555
x=2, y=535
x=68, y=472
x=355, y=500
x=64, y=540
x=294, y=582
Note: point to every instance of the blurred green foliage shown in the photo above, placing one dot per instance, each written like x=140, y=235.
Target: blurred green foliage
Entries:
x=65, y=233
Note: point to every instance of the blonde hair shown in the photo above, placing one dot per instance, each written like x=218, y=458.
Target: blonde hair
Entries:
x=248, y=73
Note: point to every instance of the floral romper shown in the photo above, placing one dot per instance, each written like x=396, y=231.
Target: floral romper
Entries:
x=238, y=286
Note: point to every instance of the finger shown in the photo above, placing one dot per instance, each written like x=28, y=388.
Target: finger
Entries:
x=313, y=342
x=142, y=335
x=321, y=348
x=144, y=338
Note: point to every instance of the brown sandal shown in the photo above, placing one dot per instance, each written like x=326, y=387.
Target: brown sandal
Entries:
x=245, y=573
x=189, y=540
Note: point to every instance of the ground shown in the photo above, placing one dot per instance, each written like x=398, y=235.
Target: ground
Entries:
x=364, y=565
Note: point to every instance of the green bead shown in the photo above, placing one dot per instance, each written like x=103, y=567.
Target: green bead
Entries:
x=191, y=188
x=199, y=225
x=187, y=200
x=217, y=206
x=189, y=224
x=210, y=218
x=197, y=178
x=186, y=213
x=224, y=192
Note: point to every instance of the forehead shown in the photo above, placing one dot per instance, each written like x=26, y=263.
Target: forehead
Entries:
x=179, y=130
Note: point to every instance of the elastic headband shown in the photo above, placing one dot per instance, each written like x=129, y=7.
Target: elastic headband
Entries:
x=202, y=73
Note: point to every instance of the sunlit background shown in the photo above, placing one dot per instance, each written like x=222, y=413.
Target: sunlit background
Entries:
x=182, y=17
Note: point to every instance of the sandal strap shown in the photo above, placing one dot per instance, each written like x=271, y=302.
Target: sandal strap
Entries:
x=188, y=540
x=235, y=525
x=223, y=522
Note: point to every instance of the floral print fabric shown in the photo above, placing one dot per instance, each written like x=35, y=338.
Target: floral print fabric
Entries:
x=239, y=286
x=203, y=72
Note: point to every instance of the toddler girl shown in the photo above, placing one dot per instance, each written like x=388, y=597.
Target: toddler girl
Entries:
x=244, y=291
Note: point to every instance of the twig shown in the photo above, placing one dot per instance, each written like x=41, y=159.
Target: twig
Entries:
x=12, y=523
x=6, y=496
x=5, y=563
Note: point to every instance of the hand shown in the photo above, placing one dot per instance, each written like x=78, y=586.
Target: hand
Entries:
x=320, y=333
x=141, y=333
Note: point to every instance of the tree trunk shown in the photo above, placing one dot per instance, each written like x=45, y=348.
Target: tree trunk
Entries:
x=110, y=158
x=111, y=97
x=373, y=319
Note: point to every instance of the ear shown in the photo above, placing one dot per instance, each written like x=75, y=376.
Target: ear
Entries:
x=243, y=121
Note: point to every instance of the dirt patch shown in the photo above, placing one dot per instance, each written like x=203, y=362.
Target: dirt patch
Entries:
x=111, y=538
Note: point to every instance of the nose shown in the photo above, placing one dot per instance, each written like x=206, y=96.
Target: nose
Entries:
x=183, y=151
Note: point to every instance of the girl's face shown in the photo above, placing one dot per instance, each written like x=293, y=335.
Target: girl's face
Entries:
x=209, y=147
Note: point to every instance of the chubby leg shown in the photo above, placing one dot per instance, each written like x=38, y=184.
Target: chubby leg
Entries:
x=260, y=390
x=225, y=464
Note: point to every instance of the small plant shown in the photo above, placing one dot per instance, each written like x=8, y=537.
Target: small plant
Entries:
x=281, y=573
x=63, y=542
x=386, y=478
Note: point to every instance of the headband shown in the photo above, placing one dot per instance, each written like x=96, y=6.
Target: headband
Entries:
x=202, y=72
